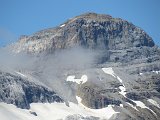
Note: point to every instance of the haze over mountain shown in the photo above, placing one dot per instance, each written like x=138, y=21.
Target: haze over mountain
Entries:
x=91, y=67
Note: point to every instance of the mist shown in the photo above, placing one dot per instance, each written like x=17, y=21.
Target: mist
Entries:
x=55, y=68
x=51, y=69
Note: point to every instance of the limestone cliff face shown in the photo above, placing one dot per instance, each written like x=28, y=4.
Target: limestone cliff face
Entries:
x=89, y=30
x=21, y=92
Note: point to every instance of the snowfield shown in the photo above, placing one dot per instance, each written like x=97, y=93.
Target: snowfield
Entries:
x=53, y=111
x=11, y=112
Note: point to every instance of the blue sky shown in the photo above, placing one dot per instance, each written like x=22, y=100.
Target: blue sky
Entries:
x=24, y=17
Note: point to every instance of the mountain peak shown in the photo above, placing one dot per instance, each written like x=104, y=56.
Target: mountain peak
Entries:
x=91, y=15
x=118, y=73
x=89, y=30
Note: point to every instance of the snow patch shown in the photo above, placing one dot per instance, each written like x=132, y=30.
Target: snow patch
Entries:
x=22, y=75
x=121, y=105
x=153, y=102
x=120, y=80
x=132, y=106
x=62, y=25
x=157, y=72
x=109, y=71
x=83, y=79
x=142, y=105
x=78, y=99
x=141, y=73
x=123, y=90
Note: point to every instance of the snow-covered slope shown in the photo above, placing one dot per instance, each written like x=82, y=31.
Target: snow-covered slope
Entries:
x=56, y=111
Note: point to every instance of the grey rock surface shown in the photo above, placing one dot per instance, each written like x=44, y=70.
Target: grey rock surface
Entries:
x=20, y=92
x=89, y=30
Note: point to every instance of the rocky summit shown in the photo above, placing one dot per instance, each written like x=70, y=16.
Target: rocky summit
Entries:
x=91, y=67
x=90, y=30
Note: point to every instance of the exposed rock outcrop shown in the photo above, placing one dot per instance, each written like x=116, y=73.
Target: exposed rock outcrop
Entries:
x=20, y=92
x=89, y=30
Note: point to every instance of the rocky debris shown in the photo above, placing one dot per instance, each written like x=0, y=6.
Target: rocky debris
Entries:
x=33, y=113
